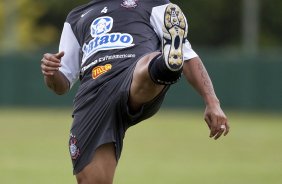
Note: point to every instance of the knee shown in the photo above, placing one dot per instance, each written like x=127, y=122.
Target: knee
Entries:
x=94, y=179
x=142, y=82
x=141, y=72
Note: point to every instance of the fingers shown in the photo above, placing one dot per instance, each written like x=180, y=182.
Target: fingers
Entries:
x=59, y=55
x=46, y=70
x=218, y=125
x=208, y=121
x=222, y=129
x=227, y=129
x=220, y=132
x=51, y=63
x=214, y=129
x=53, y=57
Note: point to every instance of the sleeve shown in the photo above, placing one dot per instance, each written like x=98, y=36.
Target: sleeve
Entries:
x=157, y=20
x=70, y=62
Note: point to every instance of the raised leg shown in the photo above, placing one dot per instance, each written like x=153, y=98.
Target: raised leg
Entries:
x=156, y=70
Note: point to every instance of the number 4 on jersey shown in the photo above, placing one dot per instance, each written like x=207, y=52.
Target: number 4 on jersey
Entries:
x=105, y=10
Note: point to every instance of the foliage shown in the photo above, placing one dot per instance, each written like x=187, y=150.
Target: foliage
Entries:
x=271, y=22
x=56, y=11
x=33, y=22
x=20, y=24
x=31, y=33
x=214, y=23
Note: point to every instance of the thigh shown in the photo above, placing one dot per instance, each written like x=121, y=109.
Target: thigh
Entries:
x=143, y=89
x=102, y=167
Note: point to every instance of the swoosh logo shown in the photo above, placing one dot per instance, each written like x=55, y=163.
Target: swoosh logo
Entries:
x=86, y=13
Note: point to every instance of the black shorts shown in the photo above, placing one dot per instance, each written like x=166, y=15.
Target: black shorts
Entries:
x=105, y=117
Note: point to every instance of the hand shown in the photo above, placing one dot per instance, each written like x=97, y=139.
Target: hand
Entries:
x=216, y=121
x=51, y=63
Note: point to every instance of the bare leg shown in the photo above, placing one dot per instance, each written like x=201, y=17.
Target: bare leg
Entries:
x=143, y=89
x=101, y=169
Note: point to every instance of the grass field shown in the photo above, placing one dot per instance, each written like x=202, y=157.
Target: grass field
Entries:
x=171, y=148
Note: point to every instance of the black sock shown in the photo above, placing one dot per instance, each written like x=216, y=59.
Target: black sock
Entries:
x=160, y=74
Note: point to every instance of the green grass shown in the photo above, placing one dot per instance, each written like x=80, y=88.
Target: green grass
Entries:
x=173, y=147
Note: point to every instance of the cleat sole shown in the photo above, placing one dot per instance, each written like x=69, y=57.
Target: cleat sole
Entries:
x=174, y=33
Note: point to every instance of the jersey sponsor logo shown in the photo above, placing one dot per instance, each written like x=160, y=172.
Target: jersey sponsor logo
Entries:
x=104, y=59
x=103, y=40
x=73, y=148
x=129, y=3
x=99, y=70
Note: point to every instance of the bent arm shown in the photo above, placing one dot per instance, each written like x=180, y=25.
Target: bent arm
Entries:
x=197, y=75
x=53, y=77
x=57, y=82
x=61, y=70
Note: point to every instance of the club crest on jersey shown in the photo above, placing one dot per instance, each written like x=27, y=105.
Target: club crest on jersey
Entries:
x=101, y=26
x=103, y=39
x=73, y=148
x=129, y=3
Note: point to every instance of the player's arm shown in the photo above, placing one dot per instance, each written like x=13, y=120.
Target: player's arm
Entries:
x=61, y=70
x=53, y=78
x=197, y=75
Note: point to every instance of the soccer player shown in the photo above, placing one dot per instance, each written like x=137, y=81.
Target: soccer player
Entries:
x=126, y=54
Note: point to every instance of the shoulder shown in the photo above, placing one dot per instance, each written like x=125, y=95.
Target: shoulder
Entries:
x=76, y=12
x=149, y=5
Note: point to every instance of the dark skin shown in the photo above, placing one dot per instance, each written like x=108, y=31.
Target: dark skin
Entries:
x=102, y=168
x=54, y=79
x=196, y=74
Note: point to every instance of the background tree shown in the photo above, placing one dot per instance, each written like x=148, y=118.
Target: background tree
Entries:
x=30, y=24
x=271, y=23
